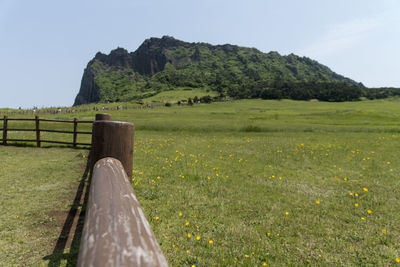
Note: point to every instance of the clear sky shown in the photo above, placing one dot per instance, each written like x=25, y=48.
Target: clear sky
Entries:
x=46, y=44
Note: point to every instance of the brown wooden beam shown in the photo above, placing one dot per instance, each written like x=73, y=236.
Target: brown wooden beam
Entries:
x=103, y=117
x=20, y=119
x=113, y=139
x=116, y=232
x=21, y=140
x=75, y=137
x=5, y=130
x=37, y=131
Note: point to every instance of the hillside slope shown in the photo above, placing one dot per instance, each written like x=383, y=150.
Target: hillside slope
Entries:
x=161, y=64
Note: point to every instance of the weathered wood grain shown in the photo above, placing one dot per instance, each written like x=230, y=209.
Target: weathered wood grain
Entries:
x=113, y=139
x=103, y=117
x=116, y=232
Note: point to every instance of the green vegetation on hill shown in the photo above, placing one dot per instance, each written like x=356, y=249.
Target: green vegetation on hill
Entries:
x=162, y=64
x=179, y=95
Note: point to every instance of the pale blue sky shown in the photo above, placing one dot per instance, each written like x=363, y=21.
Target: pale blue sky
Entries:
x=46, y=44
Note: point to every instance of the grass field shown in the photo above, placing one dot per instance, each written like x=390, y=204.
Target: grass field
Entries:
x=273, y=183
x=37, y=188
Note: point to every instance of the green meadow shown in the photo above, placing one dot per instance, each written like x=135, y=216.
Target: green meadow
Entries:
x=37, y=188
x=241, y=183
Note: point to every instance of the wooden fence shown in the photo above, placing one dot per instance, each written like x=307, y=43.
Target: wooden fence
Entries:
x=115, y=232
x=38, y=130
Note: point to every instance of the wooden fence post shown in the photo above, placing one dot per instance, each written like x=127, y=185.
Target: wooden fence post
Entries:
x=37, y=131
x=113, y=139
x=103, y=117
x=5, y=122
x=75, y=131
x=98, y=117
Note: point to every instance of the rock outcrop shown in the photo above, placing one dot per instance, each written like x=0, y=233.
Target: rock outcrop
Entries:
x=89, y=92
x=167, y=63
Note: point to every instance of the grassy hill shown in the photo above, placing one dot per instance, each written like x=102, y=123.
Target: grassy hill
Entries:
x=162, y=64
x=255, y=182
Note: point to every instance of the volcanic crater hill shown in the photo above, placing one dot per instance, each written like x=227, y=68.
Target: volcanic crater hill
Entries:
x=161, y=64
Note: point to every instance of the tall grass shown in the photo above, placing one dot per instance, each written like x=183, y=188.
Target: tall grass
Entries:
x=276, y=183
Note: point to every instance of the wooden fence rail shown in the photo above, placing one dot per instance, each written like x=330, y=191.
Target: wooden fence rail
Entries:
x=38, y=130
x=116, y=232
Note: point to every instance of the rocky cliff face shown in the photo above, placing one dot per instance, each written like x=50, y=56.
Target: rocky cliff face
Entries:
x=148, y=59
x=166, y=63
x=89, y=91
x=152, y=55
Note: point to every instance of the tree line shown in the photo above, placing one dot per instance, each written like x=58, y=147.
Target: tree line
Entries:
x=323, y=91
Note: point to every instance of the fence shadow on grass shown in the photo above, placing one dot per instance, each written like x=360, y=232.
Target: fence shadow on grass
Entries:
x=67, y=239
